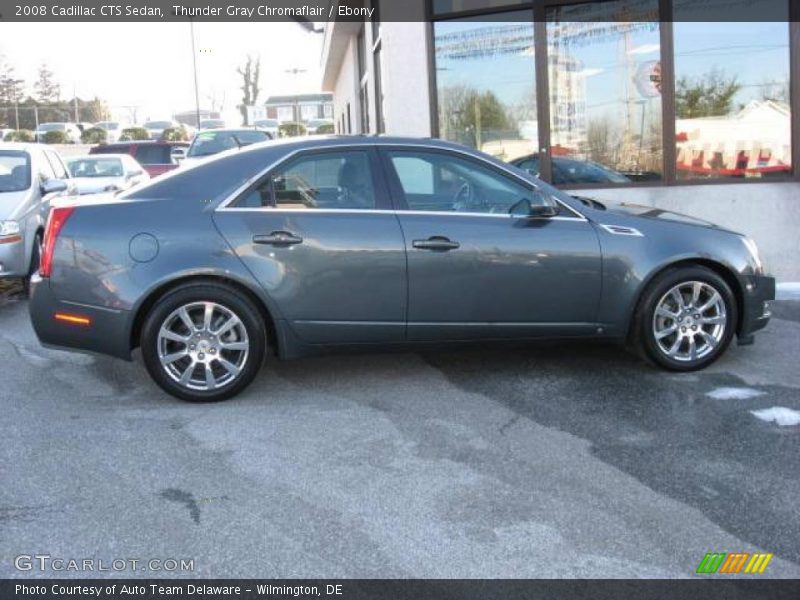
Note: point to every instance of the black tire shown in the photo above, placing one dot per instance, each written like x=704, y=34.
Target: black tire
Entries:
x=36, y=257
x=194, y=293
x=656, y=293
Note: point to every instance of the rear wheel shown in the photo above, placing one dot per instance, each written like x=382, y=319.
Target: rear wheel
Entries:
x=36, y=255
x=203, y=342
x=686, y=319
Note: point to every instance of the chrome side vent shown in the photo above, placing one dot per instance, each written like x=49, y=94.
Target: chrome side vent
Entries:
x=622, y=230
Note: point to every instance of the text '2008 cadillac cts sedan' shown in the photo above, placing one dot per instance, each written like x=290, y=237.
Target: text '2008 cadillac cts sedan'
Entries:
x=309, y=244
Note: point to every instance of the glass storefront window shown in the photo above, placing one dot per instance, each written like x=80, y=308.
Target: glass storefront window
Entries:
x=732, y=110
x=486, y=83
x=441, y=7
x=605, y=86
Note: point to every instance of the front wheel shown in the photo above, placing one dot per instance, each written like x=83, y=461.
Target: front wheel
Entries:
x=203, y=342
x=686, y=319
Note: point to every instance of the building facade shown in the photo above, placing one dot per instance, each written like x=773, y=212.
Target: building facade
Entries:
x=640, y=101
x=299, y=108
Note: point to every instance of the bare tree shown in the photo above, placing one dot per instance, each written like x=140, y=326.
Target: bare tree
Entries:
x=250, y=85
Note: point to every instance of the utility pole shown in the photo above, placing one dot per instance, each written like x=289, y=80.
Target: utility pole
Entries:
x=296, y=71
x=75, y=104
x=16, y=106
x=194, y=66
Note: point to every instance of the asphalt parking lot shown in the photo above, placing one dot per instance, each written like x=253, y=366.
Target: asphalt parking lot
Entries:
x=536, y=461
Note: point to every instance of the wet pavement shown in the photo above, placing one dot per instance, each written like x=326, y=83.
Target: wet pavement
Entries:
x=534, y=461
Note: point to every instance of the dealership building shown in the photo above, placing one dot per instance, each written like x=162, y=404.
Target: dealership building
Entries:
x=650, y=102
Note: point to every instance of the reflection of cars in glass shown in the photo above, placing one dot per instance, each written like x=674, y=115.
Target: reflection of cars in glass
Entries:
x=314, y=243
x=70, y=130
x=155, y=157
x=106, y=173
x=30, y=176
x=567, y=171
x=208, y=143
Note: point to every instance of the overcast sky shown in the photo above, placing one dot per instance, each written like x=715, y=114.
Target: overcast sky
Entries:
x=150, y=64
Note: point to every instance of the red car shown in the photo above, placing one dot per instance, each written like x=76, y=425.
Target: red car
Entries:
x=155, y=157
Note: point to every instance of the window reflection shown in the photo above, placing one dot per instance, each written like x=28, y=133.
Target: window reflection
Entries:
x=733, y=118
x=605, y=86
x=486, y=84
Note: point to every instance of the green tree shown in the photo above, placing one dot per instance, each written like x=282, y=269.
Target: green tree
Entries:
x=11, y=92
x=250, y=72
x=474, y=117
x=709, y=95
x=46, y=88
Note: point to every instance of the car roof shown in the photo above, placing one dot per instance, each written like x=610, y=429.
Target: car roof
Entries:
x=310, y=141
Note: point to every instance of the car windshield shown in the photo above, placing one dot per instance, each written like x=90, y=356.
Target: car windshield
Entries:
x=266, y=123
x=157, y=125
x=51, y=127
x=108, y=126
x=15, y=171
x=213, y=142
x=211, y=123
x=95, y=167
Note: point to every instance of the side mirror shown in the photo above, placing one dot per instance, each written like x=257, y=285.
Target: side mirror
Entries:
x=53, y=186
x=543, y=208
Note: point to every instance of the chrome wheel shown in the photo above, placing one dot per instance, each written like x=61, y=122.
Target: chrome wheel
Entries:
x=203, y=346
x=689, y=321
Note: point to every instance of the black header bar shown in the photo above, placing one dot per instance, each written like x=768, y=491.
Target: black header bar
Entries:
x=321, y=11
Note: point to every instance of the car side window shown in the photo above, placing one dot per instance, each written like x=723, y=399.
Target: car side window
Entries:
x=440, y=181
x=329, y=180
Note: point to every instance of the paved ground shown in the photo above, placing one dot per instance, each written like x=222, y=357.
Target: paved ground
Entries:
x=550, y=461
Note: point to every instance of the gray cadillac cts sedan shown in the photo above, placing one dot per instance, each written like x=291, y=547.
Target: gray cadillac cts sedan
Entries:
x=308, y=244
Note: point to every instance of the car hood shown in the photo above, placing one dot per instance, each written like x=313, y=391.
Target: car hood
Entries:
x=10, y=202
x=651, y=212
x=92, y=185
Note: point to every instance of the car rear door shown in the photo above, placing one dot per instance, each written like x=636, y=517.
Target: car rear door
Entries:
x=474, y=269
x=319, y=235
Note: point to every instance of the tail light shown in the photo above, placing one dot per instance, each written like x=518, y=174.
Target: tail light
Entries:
x=55, y=222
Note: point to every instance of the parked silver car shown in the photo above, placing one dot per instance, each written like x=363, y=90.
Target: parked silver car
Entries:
x=30, y=176
x=100, y=173
x=312, y=243
x=113, y=130
x=70, y=130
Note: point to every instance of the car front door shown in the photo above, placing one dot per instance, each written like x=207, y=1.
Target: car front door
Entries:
x=317, y=234
x=475, y=269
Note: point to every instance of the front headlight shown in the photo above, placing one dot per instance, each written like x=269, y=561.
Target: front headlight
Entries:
x=752, y=248
x=9, y=227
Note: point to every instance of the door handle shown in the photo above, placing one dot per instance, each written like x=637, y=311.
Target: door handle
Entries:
x=436, y=242
x=278, y=238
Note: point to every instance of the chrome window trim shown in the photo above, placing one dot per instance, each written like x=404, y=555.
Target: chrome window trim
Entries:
x=223, y=206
